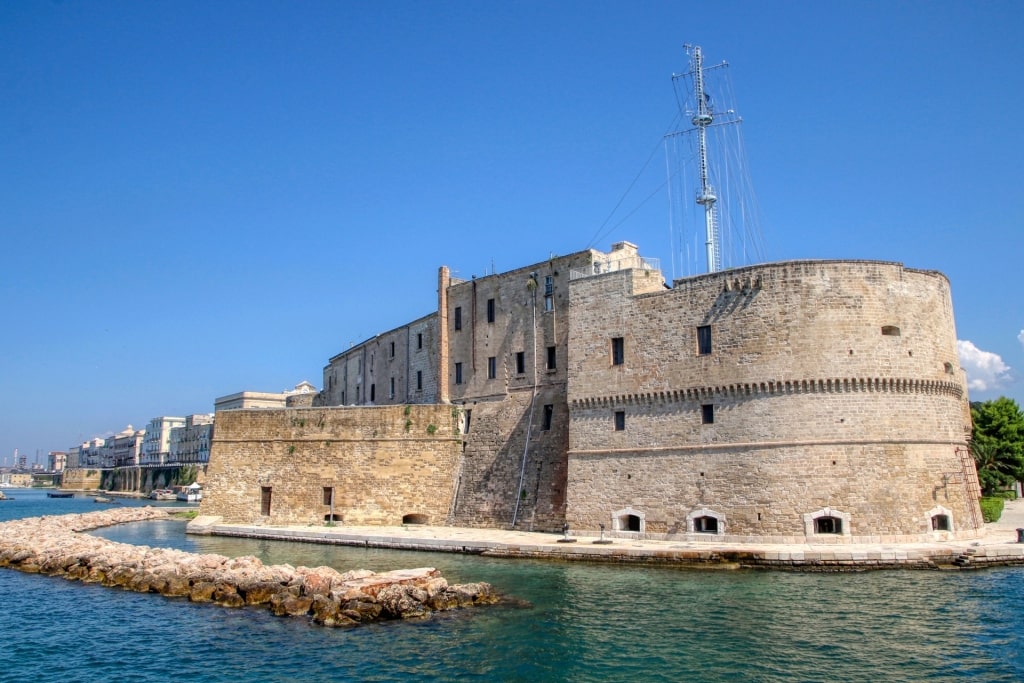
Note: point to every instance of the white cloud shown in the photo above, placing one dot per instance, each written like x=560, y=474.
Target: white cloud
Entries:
x=1020, y=337
x=986, y=371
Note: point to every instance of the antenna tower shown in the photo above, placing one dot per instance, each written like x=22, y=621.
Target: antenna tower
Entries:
x=705, y=113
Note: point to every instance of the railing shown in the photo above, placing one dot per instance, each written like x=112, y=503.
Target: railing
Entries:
x=601, y=266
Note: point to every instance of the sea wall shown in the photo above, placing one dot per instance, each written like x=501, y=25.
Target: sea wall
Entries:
x=53, y=545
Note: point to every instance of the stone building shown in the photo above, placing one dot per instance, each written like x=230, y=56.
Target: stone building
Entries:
x=783, y=401
x=261, y=399
x=123, y=449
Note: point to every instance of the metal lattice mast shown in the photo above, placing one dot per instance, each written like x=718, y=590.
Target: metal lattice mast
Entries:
x=706, y=197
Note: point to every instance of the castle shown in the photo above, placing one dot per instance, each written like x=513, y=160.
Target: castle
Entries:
x=785, y=402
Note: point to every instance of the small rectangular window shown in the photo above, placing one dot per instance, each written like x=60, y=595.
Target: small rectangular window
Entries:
x=549, y=412
x=419, y=340
x=549, y=302
x=490, y=310
x=551, y=357
x=465, y=425
x=520, y=362
x=342, y=398
x=328, y=495
x=704, y=340
x=373, y=392
x=391, y=394
x=620, y=420
x=707, y=414
x=392, y=349
x=618, y=351
x=419, y=380
x=458, y=373
x=458, y=317
x=492, y=367
x=265, y=500
x=549, y=284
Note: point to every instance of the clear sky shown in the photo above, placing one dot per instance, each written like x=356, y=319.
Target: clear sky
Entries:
x=199, y=198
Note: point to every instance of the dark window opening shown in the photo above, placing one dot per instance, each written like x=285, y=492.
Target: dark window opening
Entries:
x=549, y=412
x=373, y=392
x=631, y=523
x=707, y=414
x=419, y=380
x=490, y=310
x=705, y=525
x=551, y=358
x=520, y=362
x=704, y=340
x=618, y=351
x=492, y=367
x=414, y=519
x=458, y=317
x=265, y=500
x=328, y=495
x=419, y=340
x=458, y=373
x=620, y=420
x=828, y=525
x=392, y=349
x=392, y=393
x=940, y=523
x=336, y=517
x=342, y=398
x=465, y=426
x=890, y=330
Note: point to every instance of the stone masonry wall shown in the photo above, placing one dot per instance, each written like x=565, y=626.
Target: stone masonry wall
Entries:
x=383, y=463
x=827, y=384
x=492, y=463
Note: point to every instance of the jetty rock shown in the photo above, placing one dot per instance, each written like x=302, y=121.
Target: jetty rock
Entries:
x=56, y=546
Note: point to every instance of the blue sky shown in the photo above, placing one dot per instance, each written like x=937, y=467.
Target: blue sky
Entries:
x=199, y=198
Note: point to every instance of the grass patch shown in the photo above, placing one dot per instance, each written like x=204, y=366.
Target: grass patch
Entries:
x=186, y=514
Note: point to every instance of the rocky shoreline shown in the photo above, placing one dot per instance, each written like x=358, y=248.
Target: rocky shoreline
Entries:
x=55, y=546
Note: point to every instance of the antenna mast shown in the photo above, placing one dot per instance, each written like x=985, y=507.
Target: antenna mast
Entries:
x=706, y=197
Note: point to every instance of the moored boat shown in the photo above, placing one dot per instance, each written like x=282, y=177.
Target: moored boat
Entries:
x=162, y=494
x=60, y=494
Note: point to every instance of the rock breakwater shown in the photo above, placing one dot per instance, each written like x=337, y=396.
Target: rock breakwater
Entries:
x=55, y=546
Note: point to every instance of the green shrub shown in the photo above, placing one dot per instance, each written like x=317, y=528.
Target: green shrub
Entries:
x=1005, y=495
x=992, y=509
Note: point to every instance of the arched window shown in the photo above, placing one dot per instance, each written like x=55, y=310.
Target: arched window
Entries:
x=705, y=525
x=827, y=522
x=628, y=519
x=939, y=519
x=828, y=525
x=940, y=523
x=705, y=521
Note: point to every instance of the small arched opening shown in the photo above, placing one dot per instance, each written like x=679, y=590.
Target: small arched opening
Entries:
x=939, y=519
x=941, y=523
x=828, y=525
x=827, y=522
x=628, y=519
x=414, y=518
x=332, y=518
x=705, y=521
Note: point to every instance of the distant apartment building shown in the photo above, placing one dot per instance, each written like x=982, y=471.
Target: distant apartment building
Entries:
x=245, y=400
x=190, y=443
x=124, y=449
x=156, y=446
x=56, y=461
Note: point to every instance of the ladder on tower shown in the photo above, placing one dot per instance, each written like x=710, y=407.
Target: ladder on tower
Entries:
x=716, y=244
x=972, y=487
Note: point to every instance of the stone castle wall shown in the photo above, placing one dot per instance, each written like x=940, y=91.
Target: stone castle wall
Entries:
x=827, y=386
x=492, y=463
x=385, y=464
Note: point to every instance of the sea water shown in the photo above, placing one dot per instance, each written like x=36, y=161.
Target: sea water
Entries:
x=568, y=622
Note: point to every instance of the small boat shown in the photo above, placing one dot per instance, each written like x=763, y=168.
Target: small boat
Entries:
x=192, y=493
x=60, y=494
x=102, y=499
x=162, y=494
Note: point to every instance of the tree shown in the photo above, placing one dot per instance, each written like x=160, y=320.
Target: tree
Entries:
x=998, y=443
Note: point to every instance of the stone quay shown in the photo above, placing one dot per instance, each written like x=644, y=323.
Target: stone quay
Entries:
x=56, y=546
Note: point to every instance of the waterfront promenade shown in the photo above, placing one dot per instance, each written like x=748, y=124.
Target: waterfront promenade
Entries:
x=997, y=547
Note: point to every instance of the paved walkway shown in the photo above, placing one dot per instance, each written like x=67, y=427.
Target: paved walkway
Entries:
x=997, y=547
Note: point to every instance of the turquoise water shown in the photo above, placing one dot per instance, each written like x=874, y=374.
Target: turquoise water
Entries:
x=576, y=623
